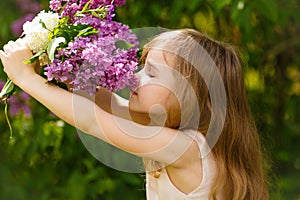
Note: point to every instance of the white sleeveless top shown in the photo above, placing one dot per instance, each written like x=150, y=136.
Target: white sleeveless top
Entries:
x=163, y=189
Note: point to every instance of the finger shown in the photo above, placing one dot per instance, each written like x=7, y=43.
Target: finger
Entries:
x=20, y=42
x=13, y=45
x=2, y=54
x=8, y=48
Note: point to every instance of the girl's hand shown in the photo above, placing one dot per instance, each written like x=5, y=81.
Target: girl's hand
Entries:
x=13, y=56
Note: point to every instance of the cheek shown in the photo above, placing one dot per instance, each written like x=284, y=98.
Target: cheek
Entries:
x=140, y=102
x=133, y=102
x=145, y=100
x=149, y=95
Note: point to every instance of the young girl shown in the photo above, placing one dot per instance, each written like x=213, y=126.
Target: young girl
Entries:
x=193, y=147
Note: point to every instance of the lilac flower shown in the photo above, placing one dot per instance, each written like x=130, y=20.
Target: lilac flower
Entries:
x=105, y=65
x=29, y=6
x=29, y=9
x=119, y=2
x=55, y=5
x=17, y=26
x=19, y=104
x=66, y=5
x=36, y=35
x=85, y=61
x=95, y=60
x=68, y=8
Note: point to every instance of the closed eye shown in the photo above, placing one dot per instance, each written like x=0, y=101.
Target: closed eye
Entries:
x=151, y=75
x=150, y=70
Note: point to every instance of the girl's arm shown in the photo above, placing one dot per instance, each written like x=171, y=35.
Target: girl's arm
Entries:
x=157, y=143
x=112, y=103
x=118, y=106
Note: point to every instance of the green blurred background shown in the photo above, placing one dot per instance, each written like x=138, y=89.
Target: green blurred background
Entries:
x=46, y=160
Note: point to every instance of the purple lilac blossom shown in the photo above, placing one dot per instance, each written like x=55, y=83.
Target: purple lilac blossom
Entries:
x=68, y=8
x=29, y=9
x=19, y=103
x=89, y=62
x=56, y=5
x=17, y=26
x=29, y=6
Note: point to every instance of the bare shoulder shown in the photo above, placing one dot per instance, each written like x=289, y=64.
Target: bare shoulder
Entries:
x=190, y=156
x=186, y=172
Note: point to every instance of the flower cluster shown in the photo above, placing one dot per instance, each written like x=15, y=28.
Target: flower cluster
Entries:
x=28, y=9
x=107, y=58
x=84, y=47
x=37, y=31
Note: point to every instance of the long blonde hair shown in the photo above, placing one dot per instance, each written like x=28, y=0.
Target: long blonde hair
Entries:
x=241, y=171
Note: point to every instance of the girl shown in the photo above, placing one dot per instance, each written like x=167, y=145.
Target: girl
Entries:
x=196, y=136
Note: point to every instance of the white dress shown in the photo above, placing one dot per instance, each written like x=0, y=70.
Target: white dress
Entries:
x=163, y=189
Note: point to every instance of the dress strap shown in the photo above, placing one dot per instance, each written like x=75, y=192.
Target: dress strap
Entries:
x=201, y=141
x=205, y=154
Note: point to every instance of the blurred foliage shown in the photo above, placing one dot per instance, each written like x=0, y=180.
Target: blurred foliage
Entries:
x=46, y=160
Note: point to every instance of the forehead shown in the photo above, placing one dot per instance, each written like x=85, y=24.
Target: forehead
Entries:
x=158, y=63
x=159, y=58
x=155, y=56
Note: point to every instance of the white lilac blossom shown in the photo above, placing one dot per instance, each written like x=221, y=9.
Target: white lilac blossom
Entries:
x=50, y=19
x=37, y=35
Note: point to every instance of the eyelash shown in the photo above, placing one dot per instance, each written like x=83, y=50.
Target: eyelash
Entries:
x=151, y=75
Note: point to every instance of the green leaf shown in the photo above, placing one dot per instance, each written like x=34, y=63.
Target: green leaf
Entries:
x=95, y=14
x=121, y=44
x=7, y=89
x=34, y=58
x=86, y=5
x=87, y=31
x=92, y=32
x=53, y=44
x=63, y=21
x=43, y=24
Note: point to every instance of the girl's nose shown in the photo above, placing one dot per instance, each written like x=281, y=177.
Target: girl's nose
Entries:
x=141, y=77
x=138, y=74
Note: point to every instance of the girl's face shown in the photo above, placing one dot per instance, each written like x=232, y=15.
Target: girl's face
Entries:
x=154, y=94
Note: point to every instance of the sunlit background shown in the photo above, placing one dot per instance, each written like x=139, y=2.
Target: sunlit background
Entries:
x=46, y=159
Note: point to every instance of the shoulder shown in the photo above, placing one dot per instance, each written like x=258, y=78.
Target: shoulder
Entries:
x=195, y=168
x=190, y=155
x=186, y=173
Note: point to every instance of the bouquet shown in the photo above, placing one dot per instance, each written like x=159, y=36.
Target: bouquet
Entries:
x=77, y=42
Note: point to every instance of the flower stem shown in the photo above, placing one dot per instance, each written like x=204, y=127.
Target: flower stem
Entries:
x=7, y=119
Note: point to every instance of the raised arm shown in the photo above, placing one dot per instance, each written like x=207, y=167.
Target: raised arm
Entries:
x=112, y=103
x=157, y=143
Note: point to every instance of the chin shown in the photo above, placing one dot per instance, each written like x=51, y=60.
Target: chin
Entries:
x=139, y=117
